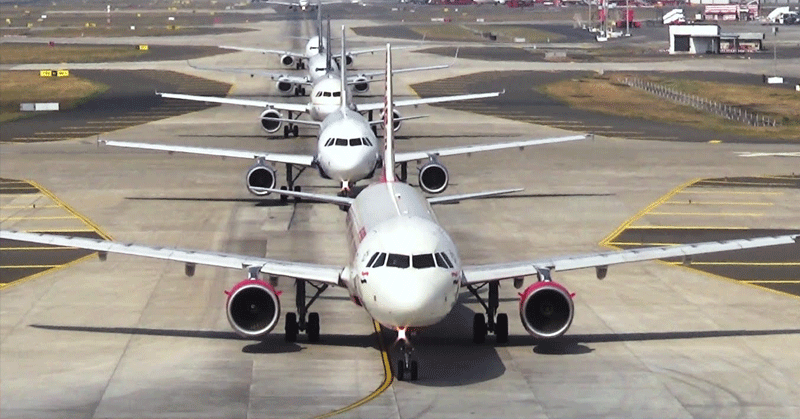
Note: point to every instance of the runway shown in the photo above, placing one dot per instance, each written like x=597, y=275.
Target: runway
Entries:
x=132, y=337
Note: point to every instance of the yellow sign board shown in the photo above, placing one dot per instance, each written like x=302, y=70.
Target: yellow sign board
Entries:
x=143, y=47
x=45, y=73
x=62, y=73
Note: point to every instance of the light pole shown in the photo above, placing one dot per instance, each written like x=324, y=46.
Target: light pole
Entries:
x=775, y=51
x=627, y=19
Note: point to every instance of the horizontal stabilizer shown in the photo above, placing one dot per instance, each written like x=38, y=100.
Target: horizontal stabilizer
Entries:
x=475, y=195
x=402, y=118
x=327, y=199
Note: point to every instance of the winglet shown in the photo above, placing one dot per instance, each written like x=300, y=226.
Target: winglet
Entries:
x=388, y=127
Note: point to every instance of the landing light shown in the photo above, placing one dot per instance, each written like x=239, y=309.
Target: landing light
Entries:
x=401, y=334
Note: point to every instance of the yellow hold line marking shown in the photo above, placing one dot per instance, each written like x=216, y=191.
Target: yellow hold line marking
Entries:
x=686, y=228
x=693, y=191
x=387, y=379
x=27, y=266
x=734, y=182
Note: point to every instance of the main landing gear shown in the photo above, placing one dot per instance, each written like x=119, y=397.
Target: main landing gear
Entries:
x=291, y=128
x=493, y=321
x=299, y=91
x=290, y=179
x=296, y=322
x=406, y=364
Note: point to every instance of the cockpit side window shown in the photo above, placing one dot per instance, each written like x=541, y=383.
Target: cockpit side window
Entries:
x=329, y=142
x=318, y=69
x=422, y=261
x=379, y=262
x=319, y=94
x=397, y=261
x=366, y=141
x=327, y=94
x=341, y=141
x=447, y=259
x=355, y=141
x=372, y=259
x=440, y=261
x=337, y=94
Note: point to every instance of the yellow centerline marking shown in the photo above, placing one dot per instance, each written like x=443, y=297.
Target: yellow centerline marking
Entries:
x=686, y=228
x=712, y=214
x=387, y=379
x=60, y=230
x=642, y=244
x=718, y=203
x=31, y=206
x=3, y=188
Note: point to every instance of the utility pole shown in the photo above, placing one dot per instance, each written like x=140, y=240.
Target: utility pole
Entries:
x=627, y=19
x=775, y=51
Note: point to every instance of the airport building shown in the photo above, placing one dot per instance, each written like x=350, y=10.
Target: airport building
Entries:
x=708, y=39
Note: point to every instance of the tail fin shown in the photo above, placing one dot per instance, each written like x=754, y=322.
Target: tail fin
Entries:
x=328, y=52
x=342, y=70
x=319, y=29
x=388, y=115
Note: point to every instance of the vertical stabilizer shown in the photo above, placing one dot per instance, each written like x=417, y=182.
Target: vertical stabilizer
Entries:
x=342, y=71
x=319, y=28
x=388, y=118
x=328, y=52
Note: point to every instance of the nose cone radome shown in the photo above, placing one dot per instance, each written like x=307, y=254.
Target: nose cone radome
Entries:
x=404, y=301
x=347, y=163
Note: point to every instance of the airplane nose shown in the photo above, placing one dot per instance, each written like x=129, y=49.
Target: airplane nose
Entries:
x=413, y=302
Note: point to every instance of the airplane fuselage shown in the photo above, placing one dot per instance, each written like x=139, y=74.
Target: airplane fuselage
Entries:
x=325, y=97
x=347, y=149
x=416, y=283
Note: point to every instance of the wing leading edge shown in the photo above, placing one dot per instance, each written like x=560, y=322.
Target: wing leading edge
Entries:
x=474, y=274
x=326, y=274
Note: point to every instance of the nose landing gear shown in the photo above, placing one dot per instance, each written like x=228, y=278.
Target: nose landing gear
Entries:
x=406, y=364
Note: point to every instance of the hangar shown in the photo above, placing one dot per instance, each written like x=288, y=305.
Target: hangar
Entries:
x=707, y=39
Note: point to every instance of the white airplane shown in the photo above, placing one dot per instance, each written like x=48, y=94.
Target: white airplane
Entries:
x=347, y=150
x=302, y=5
x=405, y=270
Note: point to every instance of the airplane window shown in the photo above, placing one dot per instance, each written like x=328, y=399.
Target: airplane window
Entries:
x=355, y=142
x=341, y=141
x=380, y=260
x=397, y=261
x=337, y=94
x=319, y=94
x=440, y=261
x=329, y=142
x=319, y=69
x=327, y=94
x=422, y=261
x=372, y=259
x=447, y=259
x=367, y=141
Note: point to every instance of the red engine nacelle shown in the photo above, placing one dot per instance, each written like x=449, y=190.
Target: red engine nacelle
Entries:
x=253, y=308
x=546, y=309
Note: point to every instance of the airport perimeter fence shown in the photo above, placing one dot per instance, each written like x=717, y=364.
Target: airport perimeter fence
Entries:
x=726, y=111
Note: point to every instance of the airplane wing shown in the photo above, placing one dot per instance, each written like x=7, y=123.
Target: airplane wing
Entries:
x=425, y=101
x=420, y=155
x=327, y=199
x=375, y=75
x=292, y=107
x=299, y=55
x=296, y=159
x=326, y=274
x=475, y=195
x=485, y=273
x=254, y=71
x=402, y=118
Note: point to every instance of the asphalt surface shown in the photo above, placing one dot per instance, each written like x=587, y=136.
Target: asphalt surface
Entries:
x=153, y=52
x=523, y=101
x=130, y=100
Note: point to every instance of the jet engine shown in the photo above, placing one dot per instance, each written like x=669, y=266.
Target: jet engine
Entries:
x=284, y=87
x=433, y=177
x=348, y=60
x=397, y=121
x=253, y=308
x=360, y=85
x=287, y=60
x=261, y=176
x=546, y=309
x=270, y=125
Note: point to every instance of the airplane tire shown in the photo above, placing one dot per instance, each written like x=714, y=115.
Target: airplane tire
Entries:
x=291, y=327
x=501, y=328
x=478, y=328
x=286, y=131
x=296, y=131
x=401, y=370
x=297, y=199
x=414, y=367
x=312, y=327
x=284, y=198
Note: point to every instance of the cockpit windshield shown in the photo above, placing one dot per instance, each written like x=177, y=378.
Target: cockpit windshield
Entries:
x=352, y=142
x=421, y=261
